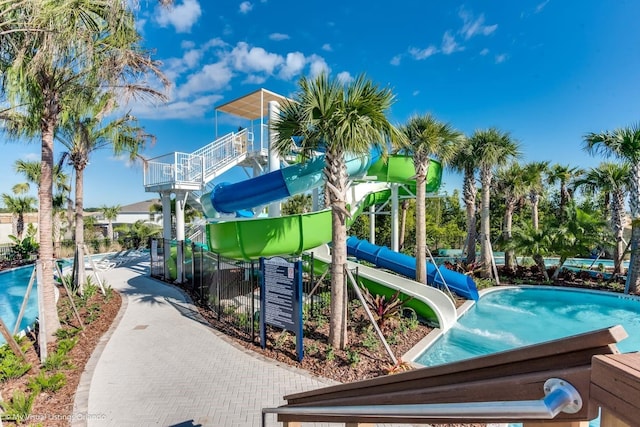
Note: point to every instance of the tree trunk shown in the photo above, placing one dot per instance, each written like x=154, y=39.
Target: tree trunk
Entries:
x=509, y=254
x=45, y=195
x=403, y=223
x=469, y=191
x=485, y=225
x=19, y=222
x=336, y=180
x=617, y=208
x=79, y=273
x=69, y=233
x=539, y=260
x=535, y=200
x=421, y=228
x=556, y=273
x=633, y=274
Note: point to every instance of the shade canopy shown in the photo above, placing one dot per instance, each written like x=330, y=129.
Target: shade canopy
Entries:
x=251, y=106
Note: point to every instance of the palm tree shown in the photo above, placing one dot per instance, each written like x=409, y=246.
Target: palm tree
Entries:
x=533, y=177
x=563, y=175
x=31, y=171
x=493, y=148
x=18, y=205
x=578, y=235
x=426, y=138
x=536, y=243
x=613, y=180
x=52, y=52
x=624, y=144
x=467, y=162
x=510, y=186
x=110, y=213
x=84, y=133
x=343, y=120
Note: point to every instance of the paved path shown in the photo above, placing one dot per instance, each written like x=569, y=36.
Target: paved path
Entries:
x=160, y=364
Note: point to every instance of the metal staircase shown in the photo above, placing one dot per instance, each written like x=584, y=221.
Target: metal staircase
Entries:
x=193, y=171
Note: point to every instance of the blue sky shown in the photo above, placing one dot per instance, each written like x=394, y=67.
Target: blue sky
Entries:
x=547, y=71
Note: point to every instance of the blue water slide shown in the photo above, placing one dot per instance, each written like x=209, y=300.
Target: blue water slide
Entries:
x=384, y=257
x=280, y=184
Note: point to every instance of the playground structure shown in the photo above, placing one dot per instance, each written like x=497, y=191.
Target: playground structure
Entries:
x=236, y=229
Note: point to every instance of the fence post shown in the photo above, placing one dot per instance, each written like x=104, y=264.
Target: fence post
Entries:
x=217, y=282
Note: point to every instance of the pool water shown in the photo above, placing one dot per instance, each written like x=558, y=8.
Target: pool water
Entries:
x=13, y=286
x=504, y=319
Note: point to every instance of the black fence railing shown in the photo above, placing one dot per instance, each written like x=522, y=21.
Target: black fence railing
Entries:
x=228, y=289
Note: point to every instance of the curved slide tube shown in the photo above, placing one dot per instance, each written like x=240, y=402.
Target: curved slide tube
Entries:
x=429, y=303
x=384, y=257
x=279, y=184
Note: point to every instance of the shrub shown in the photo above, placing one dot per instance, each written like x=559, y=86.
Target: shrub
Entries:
x=383, y=308
x=353, y=357
x=11, y=366
x=18, y=408
x=44, y=382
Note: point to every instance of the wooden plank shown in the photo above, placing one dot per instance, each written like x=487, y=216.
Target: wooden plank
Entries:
x=553, y=349
x=609, y=419
x=525, y=387
x=615, y=385
x=554, y=362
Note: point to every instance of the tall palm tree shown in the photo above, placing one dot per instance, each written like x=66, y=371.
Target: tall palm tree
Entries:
x=84, y=133
x=493, y=148
x=51, y=53
x=534, y=173
x=18, y=205
x=510, y=186
x=427, y=137
x=467, y=162
x=624, y=144
x=563, y=175
x=31, y=171
x=110, y=213
x=342, y=120
x=613, y=180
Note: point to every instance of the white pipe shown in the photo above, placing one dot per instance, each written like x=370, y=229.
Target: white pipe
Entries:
x=372, y=224
x=560, y=396
x=274, y=157
x=395, y=238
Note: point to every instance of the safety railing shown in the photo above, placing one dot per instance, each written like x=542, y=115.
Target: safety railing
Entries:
x=224, y=153
x=175, y=168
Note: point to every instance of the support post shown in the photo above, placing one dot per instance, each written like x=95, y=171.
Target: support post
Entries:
x=273, y=109
x=395, y=237
x=372, y=224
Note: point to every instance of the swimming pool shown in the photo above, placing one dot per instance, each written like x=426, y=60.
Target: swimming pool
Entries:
x=13, y=286
x=512, y=317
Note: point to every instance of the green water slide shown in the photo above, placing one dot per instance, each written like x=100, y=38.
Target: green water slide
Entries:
x=291, y=235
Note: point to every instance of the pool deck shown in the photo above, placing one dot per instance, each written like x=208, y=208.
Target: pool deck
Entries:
x=160, y=364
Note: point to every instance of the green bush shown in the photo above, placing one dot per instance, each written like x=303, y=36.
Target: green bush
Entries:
x=11, y=366
x=18, y=408
x=44, y=382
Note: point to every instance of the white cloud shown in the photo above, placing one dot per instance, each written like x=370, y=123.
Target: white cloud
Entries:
x=212, y=77
x=245, y=7
x=541, y=6
x=140, y=23
x=293, y=65
x=254, y=59
x=415, y=93
x=187, y=44
x=449, y=44
x=181, y=16
x=344, y=77
x=484, y=52
x=327, y=47
x=279, y=36
x=177, y=109
x=254, y=79
x=396, y=60
x=317, y=66
x=192, y=57
x=423, y=53
x=474, y=26
x=501, y=58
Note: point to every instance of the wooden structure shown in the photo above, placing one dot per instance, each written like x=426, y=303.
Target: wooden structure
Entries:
x=470, y=390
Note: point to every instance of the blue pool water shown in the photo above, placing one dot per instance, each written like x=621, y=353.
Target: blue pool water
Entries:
x=13, y=286
x=509, y=318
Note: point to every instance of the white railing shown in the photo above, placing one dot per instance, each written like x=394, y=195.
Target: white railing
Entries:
x=201, y=166
x=174, y=168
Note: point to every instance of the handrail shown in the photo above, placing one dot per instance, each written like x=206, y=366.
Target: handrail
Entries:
x=560, y=396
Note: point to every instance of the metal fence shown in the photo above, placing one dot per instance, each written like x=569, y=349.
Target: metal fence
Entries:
x=228, y=289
